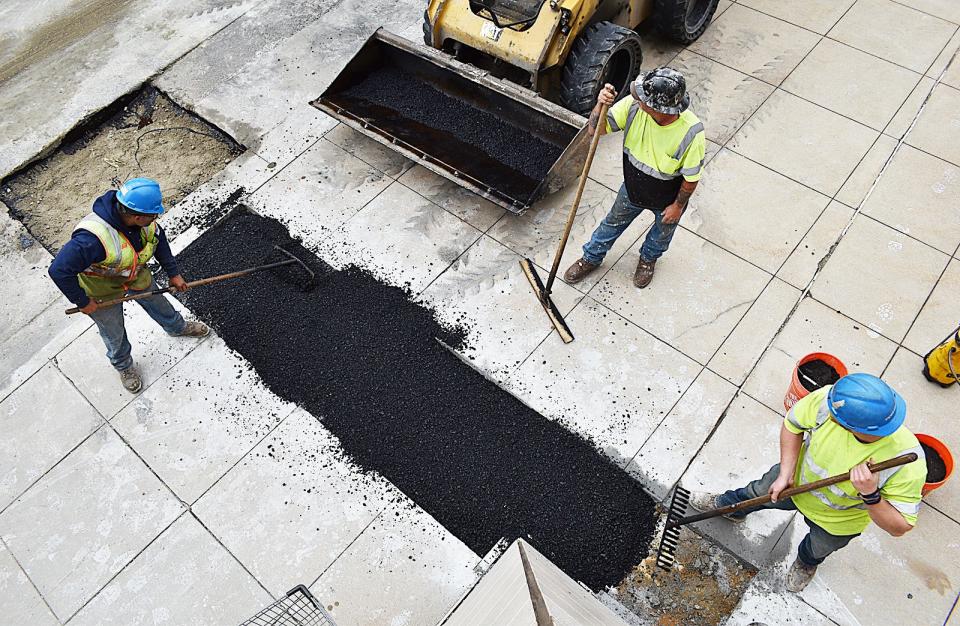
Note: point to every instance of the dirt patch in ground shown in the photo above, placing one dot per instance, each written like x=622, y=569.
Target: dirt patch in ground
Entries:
x=365, y=359
x=144, y=135
x=703, y=588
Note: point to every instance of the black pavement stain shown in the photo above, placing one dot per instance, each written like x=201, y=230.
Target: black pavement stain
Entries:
x=364, y=359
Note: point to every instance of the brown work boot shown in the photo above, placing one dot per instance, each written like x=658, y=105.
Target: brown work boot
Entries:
x=130, y=378
x=578, y=271
x=644, y=273
x=194, y=329
x=799, y=575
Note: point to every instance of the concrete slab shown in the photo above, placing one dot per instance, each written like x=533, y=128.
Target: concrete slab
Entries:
x=19, y=600
x=70, y=562
x=468, y=206
x=746, y=344
x=861, y=181
x=764, y=602
x=292, y=137
x=689, y=304
x=536, y=233
x=402, y=237
x=743, y=447
x=815, y=245
x=73, y=61
x=319, y=191
x=721, y=213
x=371, y=152
x=678, y=439
x=591, y=385
x=952, y=74
x=816, y=15
x=721, y=97
x=486, y=290
x=852, y=83
x=944, y=9
x=755, y=43
x=42, y=421
x=293, y=505
x=929, y=211
x=183, y=577
x=85, y=363
x=871, y=264
x=815, y=328
x=938, y=126
x=894, y=32
x=908, y=579
x=821, y=157
x=404, y=568
x=931, y=410
x=901, y=122
x=200, y=418
x=935, y=321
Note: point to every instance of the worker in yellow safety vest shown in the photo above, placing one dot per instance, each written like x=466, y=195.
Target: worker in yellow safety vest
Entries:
x=831, y=431
x=106, y=257
x=663, y=153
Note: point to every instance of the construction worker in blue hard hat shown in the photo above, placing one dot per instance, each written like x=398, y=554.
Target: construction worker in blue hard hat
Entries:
x=107, y=257
x=663, y=152
x=831, y=431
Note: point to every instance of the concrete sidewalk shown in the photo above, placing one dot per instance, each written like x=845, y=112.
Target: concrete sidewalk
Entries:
x=827, y=220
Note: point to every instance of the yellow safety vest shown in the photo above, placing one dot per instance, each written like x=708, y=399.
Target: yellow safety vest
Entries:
x=123, y=268
x=830, y=449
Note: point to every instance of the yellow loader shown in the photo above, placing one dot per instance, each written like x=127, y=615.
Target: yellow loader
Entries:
x=495, y=102
x=565, y=50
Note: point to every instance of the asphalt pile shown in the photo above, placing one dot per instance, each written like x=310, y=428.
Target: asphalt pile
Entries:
x=365, y=359
x=816, y=374
x=452, y=129
x=936, y=468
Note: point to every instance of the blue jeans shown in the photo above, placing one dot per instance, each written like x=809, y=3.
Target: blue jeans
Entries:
x=815, y=547
x=109, y=322
x=621, y=215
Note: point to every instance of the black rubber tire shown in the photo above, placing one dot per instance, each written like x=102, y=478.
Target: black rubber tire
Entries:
x=603, y=53
x=427, y=30
x=683, y=21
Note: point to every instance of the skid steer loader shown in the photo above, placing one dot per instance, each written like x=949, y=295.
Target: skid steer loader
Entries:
x=495, y=102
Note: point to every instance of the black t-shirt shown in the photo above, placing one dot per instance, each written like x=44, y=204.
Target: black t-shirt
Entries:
x=645, y=190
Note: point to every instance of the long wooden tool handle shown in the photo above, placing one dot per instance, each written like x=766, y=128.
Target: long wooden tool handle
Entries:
x=792, y=491
x=195, y=283
x=576, y=201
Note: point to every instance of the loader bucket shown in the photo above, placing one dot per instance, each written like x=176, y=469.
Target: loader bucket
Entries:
x=494, y=138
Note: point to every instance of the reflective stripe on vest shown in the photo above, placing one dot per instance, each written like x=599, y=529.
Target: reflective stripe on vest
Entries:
x=122, y=261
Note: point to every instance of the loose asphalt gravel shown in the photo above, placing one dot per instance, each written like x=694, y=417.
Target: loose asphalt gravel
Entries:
x=364, y=358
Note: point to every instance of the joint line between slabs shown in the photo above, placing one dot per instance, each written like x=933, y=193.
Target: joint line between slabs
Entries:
x=285, y=166
x=228, y=551
x=353, y=541
x=30, y=580
x=127, y=564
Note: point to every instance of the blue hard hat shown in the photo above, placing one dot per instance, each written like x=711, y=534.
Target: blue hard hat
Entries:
x=865, y=404
x=141, y=195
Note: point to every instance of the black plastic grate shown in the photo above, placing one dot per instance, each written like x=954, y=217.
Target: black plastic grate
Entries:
x=297, y=608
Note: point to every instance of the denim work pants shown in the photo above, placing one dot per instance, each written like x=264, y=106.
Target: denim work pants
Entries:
x=109, y=322
x=621, y=215
x=815, y=547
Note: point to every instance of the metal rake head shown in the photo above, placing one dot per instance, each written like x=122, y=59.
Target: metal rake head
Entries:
x=667, y=552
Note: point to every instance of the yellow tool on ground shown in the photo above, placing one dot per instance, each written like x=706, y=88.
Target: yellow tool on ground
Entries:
x=943, y=362
x=565, y=50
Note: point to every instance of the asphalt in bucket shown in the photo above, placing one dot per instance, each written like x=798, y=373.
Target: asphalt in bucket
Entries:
x=936, y=468
x=364, y=358
x=817, y=374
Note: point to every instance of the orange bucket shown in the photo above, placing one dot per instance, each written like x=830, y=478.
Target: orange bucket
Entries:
x=944, y=452
x=796, y=389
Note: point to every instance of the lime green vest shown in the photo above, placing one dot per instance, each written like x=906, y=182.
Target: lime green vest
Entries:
x=830, y=449
x=123, y=268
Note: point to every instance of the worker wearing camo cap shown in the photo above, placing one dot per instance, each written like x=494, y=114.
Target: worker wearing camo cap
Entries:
x=663, y=152
x=836, y=429
x=107, y=257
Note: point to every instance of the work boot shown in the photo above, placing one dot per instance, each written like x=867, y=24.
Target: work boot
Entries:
x=704, y=501
x=799, y=575
x=131, y=380
x=644, y=273
x=578, y=271
x=194, y=329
